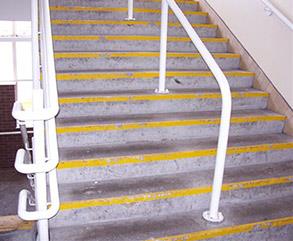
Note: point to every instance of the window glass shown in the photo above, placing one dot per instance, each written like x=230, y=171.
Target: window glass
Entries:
x=24, y=60
x=6, y=28
x=6, y=62
x=23, y=28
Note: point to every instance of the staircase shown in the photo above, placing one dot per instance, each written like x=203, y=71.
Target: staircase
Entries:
x=138, y=165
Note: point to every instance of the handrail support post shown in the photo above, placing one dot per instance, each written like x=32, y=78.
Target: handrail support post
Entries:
x=130, y=11
x=163, y=48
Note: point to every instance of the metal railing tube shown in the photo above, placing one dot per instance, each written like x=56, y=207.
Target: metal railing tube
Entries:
x=270, y=7
x=213, y=215
x=130, y=10
x=35, y=44
x=163, y=48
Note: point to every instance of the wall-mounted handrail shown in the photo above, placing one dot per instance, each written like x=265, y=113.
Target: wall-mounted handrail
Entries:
x=273, y=10
x=213, y=214
x=44, y=110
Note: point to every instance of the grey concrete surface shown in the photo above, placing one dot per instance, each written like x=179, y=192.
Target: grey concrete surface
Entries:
x=132, y=107
x=176, y=82
x=150, y=28
x=104, y=62
x=174, y=132
x=134, y=45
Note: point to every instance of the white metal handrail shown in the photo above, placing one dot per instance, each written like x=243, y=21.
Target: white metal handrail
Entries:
x=130, y=11
x=45, y=107
x=270, y=8
x=213, y=215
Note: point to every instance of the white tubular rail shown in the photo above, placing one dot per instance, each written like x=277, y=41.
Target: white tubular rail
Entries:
x=272, y=9
x=213, y=215
x=45, y=158
x=130, y=11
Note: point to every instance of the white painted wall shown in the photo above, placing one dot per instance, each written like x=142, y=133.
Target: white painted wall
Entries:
x=267, y=39
x=18, y=10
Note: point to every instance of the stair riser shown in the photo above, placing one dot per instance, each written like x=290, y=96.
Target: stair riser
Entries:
x=180, y=165
x=121, y=15
x=119, y=3
x=116, y=45
x=165, y=133
x=147, y=63
x=75, y=86
x=106, y=29
x=164, y=206
x=144, y=107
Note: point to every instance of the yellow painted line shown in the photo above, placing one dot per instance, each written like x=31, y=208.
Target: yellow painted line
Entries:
x=132, y=38
x=80, y=55
x=76, y=38
x=165, y=124
x=158, y=97
x=124, y=160
x=133, y=75
x=147, y=197
x=106, y=9
x=117, y=22
x=220, y=232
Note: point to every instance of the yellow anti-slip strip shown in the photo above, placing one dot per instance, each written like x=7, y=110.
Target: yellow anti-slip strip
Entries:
x=105, y=9
x=117, y=22
x=145, y=75
x=147, y=197
x=81, y=55
x=159, y=97
x=131, y=38
x=220, y=232
x=124, y=160
x=164, y=124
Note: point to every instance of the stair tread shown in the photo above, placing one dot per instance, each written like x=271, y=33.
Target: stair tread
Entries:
x=60, y=54
x=171, y=93
x=156, y=186
x=252, y=215
x=170, y=72
x=125, y=22
x=157, y=117
x=87, y=153
x=79, y=8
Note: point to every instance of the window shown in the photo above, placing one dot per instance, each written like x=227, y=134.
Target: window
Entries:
x=16, y=57
x=15, y=51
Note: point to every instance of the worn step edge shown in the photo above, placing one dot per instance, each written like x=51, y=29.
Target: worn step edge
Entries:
x=171, y=194
x=81, y=55
x=131, y=38
x=117, y=9
x=226, y=231
x=144, y=74
x=159, y=97
x=117, y=22
x=155, y=157
x=169, y=123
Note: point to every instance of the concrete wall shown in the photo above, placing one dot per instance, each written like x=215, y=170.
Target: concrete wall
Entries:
x=267, y=39
x=18, y=10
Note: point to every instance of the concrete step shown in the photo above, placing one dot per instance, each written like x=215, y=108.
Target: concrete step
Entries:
x=154, y=4
x=160, y=195
x=244, y=221
x=69, y=82
x=158, y=127
x=133, y=43
x=92, y=61
x=149, y=102
x=116, y=27
x=120, y=13
x=108, y=162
